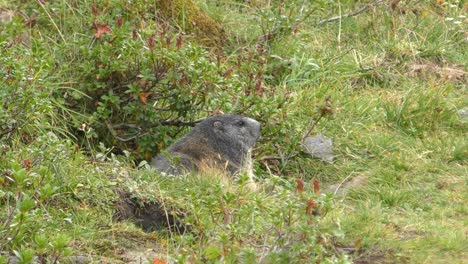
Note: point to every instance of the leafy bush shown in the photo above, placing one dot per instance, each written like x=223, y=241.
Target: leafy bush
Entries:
x=36, y=183
x=135, y=83
x=25, y=99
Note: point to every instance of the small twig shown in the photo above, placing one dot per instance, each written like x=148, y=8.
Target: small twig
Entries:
x=338, y=57
x=166, y=213
x=180, y=123
x=176, y=123
x=312, y=125
x=326, y=109
x=341, y=183
x=266, y=158
x=355, y=13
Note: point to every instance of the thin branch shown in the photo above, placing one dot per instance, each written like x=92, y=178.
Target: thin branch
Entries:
x=180, y=123
x=338, y=57
x=176, y=123
x=267, y=158
x=355, y=13
x=325, y=109
x=10, y=218
x=341, y=183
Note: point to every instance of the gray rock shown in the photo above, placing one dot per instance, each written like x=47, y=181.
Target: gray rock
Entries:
x=463, y=113
x=319, y=147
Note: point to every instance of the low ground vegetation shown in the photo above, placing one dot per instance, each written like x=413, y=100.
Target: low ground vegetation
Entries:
x=89, y=91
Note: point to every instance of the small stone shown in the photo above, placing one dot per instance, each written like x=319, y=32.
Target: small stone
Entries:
x=319, y=147
x=6, y=16
x=463, y=113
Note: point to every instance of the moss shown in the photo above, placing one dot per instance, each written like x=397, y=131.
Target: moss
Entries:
x=193, y=20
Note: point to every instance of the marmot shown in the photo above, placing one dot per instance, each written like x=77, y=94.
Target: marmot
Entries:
x=221, y=142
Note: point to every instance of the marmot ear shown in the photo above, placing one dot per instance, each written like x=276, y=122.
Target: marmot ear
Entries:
x=218, y=125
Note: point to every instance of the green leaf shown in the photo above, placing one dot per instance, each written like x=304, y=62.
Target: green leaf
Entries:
x=60, y=242
x=41, y=242
x=212, y=252
x=20, y=176
x=26, y=204
x=25, y=256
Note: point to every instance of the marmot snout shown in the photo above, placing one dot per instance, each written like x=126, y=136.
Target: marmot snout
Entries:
x=221, y=142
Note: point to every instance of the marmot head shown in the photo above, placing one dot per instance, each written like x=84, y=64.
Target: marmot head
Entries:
x=231, y=131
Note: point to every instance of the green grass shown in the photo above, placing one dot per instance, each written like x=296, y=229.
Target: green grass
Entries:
x=398, y=130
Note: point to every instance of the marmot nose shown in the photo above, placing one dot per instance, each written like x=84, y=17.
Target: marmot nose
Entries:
x=257, y=127
x=254, y=123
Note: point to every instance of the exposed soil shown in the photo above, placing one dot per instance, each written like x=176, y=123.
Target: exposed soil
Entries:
x=341, y=189
x=150, y=216
x=425, y=68
x=379, y=257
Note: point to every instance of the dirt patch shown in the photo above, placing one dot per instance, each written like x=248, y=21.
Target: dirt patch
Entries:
x=379, y=256
x=145, y=256
x=341, y=189
x=150, y=216
x=451, y=72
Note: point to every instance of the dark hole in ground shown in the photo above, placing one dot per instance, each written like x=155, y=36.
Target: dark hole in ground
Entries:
x=149, y=216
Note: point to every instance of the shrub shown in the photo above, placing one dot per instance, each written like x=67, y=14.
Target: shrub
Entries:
x=134, y=82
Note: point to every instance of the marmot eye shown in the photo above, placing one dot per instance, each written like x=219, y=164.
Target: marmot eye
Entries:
x=240, y=123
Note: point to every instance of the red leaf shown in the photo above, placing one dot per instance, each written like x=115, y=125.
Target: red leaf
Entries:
x=168, y=42
x=27, y=164
x=119, y=22
x=101, y=29
x=300, y=185
x=228, y=73
x=159, y=261
x=310, y=207
x=151, y=42
x=316, y=186
x=180, y=41
x=144, y=97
